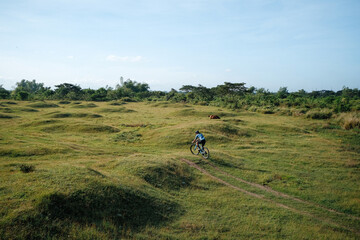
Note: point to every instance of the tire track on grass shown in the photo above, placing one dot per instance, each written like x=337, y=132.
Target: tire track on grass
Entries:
x=284, y=195
x=262, y=197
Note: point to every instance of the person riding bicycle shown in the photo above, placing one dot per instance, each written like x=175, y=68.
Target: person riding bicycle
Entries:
x=199, y=138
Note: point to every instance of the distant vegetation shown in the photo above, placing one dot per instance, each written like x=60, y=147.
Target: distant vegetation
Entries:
x=322, y=104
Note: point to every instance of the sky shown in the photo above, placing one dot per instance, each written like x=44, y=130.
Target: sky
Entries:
x=298, y=44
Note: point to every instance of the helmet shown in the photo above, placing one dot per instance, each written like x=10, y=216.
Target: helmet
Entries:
x=197, y=131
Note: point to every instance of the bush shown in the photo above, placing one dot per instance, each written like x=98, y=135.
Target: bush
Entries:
x=22, y=95
x=27, y=168
x=4, y=94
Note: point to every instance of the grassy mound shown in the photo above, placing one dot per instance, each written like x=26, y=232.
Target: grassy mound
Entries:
x=82, y=128
x=234, y=121
x=75, y=115
x=190, y=112
x=43, y=105
x=6, y=110
x=64, y=102
x=89, y=105
x=40, y=123
x=100, y=205
x=117, y=103
x=5, y=116
x=130, y=137
x=116, y=110
x=10, y=103
x=170, y=176
x=17, y=109
x=28, y=110
x=224, y=132
x=30, y=151
x=169, y=104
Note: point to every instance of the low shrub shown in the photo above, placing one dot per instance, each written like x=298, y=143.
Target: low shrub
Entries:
x=267, y=111
x=27, y=168
x=252, y=109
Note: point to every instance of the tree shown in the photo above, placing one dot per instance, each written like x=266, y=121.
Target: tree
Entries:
x=135, y=87
x=99, y=95
x=4, y=94
x=22, y=95
x=32, y=88
x=187, y=88
x=283, y=92
x=231, y=89
x=29, y=86
x=68, y=90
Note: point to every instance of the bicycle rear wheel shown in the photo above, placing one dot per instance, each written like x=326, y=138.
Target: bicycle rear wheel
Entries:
x=206, y=153
x=193, y=149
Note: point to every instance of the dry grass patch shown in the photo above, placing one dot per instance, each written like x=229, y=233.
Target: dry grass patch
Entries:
x=349, y=120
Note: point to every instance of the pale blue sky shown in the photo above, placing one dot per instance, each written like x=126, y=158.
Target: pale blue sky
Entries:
x=299, y=44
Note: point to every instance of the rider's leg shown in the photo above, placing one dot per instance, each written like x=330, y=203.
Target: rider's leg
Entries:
x=202, y=144
x=201, y=147
x=198, y=145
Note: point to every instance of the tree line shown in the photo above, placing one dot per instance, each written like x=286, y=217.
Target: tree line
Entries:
x=230, y=95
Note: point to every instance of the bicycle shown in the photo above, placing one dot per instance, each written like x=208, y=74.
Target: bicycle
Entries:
x=197, y=150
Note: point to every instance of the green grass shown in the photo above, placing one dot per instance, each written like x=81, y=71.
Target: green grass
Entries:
x=70, y=173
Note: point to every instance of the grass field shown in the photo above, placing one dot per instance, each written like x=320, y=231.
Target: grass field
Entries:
x=107, y=170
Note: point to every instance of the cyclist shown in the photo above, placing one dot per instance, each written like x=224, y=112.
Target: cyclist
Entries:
x=199, y=138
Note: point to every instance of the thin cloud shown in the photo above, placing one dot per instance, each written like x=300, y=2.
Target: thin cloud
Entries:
x=114, y=58
x=228, y=70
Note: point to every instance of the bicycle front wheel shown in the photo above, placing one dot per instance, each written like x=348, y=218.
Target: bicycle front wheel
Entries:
x=193, y=149
x=206, y=153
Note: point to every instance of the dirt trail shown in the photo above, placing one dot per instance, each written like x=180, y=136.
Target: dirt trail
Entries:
x=284, y=195
x=192, y=164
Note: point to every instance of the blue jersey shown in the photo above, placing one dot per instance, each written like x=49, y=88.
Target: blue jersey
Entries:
x=200, y=136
